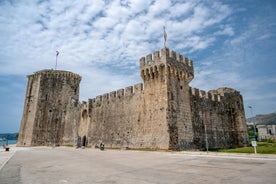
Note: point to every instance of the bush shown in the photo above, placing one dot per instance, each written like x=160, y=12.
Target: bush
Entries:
x=271, y=140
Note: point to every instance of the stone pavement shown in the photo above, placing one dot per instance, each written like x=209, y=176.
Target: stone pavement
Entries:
x=70, y=165
x=5, y=156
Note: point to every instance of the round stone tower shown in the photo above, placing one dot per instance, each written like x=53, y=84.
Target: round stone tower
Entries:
x=50, y=96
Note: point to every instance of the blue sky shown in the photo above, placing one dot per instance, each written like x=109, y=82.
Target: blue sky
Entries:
x=232, y=43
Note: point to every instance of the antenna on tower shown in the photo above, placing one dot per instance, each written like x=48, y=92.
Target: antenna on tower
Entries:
x=165, y=36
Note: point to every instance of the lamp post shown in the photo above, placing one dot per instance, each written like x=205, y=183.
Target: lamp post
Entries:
x=251, y=109
x=204, y=121
x=206, y=138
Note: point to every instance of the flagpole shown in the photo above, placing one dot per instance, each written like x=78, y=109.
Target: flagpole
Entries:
x=57, y=53
x=165, y=36
x=56, y=63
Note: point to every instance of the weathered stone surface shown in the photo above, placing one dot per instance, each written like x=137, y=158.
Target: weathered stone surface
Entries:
x=163, y=112
x=52, y=99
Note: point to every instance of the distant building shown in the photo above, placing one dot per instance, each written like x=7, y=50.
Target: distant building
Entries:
x=163, y=112
x=266, y=131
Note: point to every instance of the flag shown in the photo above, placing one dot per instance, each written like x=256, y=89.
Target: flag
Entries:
x=165, y=34
x=57, y=53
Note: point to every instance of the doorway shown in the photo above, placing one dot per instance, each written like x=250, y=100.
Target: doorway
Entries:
x=84, y=141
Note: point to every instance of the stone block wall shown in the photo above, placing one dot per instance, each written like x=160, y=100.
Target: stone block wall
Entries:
x=163, y=112
x=219, y=116
x=125, y=118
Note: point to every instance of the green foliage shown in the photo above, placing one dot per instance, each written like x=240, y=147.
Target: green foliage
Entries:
x=270, y=140
x=250, y=130
x=262, y=148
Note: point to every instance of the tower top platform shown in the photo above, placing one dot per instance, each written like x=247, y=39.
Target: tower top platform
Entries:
x=58, y=73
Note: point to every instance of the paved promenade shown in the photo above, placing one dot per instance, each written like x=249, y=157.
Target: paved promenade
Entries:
x=69, y=165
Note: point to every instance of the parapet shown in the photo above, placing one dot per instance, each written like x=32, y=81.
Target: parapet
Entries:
x=166, y=57
x=56, y=73
x=205, y=95
x=226, y=93
x=138, y=87
x=115, y=95
x=120, y=93
x=129, y=91
x=175, y=63
x=224, y=90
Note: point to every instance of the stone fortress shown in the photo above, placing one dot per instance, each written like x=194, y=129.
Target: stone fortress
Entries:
x=163, y=112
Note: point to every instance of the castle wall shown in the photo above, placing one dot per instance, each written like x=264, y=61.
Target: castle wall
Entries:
x=218, y=116
x=84, y=118
x=179, y=115
x=234, y=109
x=134, y=118
x=72, y=119
x=113, y=117
x=128, y=118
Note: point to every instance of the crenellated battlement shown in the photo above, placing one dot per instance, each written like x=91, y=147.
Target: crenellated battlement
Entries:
x=166, y=57
x=119, y=94
x=205, y=95
x=56, y=73
x=168, y=62
x=225, y=90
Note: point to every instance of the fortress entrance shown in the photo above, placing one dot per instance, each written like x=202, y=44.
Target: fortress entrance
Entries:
x=84, y=141
x=82, y=131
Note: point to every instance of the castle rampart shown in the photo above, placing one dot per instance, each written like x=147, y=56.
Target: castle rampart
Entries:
x=211, y=95
x=217, y=116
x=163, y=112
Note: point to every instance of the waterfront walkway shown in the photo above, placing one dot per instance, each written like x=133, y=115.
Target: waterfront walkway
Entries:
x=70, y=165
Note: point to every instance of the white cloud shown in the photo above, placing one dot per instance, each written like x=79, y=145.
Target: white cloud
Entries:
x=158, y=8
x=115, y=33
x=265, y=36
x=104, y=40
x=87, y=32
x=228, y=31
x=181, y=9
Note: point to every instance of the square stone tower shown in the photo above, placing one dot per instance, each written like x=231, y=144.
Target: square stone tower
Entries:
x=166, y=79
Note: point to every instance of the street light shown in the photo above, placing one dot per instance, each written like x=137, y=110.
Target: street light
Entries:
x=251, y=109
x=206, y=138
